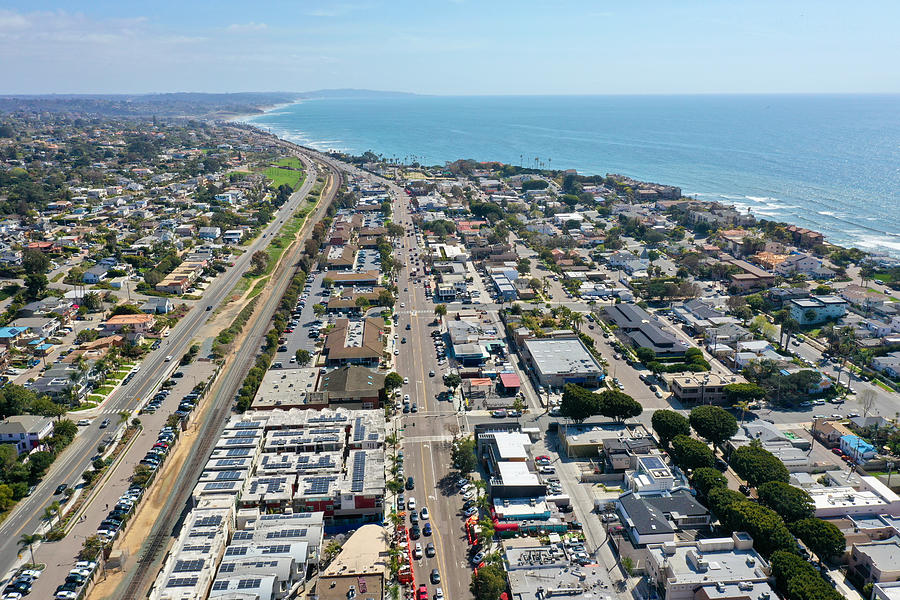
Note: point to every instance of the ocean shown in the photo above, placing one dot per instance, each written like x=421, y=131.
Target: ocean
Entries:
x=826, y=162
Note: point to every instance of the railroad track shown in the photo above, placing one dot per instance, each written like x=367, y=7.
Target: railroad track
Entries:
x=163, y=528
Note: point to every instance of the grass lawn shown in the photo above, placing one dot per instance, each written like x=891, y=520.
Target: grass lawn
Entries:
x=105, y=390
x=95, y=399
x=279, y=176
x=290, y=162
x=882, y=385
x=86, y=405
x=883, y=276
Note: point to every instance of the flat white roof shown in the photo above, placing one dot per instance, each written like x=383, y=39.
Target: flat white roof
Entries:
x=517, y=473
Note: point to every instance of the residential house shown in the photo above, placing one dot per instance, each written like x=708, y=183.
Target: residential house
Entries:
x=888, y=364
x=25, y=432
x=817, y=309
x=95, y=274
x=142, y=323
x=803, y=264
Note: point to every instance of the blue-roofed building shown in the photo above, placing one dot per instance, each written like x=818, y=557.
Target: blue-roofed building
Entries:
x=9, y=336
x=857, y=448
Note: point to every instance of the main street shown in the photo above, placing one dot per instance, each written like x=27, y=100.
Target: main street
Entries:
x=427, y=434
x=26, y=516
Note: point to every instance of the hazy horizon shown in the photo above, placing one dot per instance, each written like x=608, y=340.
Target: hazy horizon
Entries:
x=452, y=48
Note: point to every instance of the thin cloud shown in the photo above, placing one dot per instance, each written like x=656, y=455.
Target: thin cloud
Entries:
x=246, y=27
x=10, y=20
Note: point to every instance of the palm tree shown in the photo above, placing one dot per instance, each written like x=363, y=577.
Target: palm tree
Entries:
x=743, y=406
x=28, y=541
x=51, y=511
x=440, y=311
x=576, y=320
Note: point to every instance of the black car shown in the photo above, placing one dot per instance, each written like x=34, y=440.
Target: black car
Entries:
x=415, y=533
x=435, y=576
x=61, y=488
x=410, y=483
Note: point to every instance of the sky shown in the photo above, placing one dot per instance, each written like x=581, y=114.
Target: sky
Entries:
x=453, y=47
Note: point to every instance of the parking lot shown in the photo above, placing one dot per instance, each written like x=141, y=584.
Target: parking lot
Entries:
x=106, y=507
x=300, y=338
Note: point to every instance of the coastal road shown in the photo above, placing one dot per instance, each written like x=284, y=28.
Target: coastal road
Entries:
x=26, y=516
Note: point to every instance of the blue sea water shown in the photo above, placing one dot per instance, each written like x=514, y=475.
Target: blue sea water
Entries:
x=827, y=162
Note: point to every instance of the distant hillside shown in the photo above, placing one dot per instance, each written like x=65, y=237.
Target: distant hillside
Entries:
x=176, y=104
x=354, y=93
x=181, y=104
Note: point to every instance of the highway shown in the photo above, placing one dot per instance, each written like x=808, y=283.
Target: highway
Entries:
x=26, y=516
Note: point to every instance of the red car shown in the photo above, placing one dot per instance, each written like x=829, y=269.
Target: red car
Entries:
x=423, y=592
x=543, y=457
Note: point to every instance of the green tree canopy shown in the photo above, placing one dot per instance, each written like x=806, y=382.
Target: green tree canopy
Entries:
x=489, y=583
x=463, y=455
x=743, y=392
x=667, y=424
x=645, y=355
x=578, y=403
x=792, y=503
x=35, y=261
x=718, y=499
x=392, y=381
x=756, y=465
x=796, y=579
x=303, y=357
x=689, y=453
x=822, y=537
x=705, y=479
x=618, y=405
x=767, y=529
x=713, y=423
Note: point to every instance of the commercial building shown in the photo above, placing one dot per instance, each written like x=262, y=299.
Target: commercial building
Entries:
x=692, y=570
x=361, y=568
x=354, y=342
x=701, y=388
x=587, y=440
x=654, y=518
x=558, y=361
x=547, y=570
x=288, y=388
x=351, y=387
x=876, y=562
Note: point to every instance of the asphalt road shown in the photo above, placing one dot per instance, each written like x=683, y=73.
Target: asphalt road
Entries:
x=68, y=467
x=427, y=435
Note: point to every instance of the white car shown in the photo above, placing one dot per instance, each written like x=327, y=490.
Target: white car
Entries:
x=411, y=503
x=403, y=305
x=406, y=380
x=61, y=595
x=417, y=551
x=438, y=593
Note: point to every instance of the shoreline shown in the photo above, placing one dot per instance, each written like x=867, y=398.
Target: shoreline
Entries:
x=865, y=238
x=264, y=110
